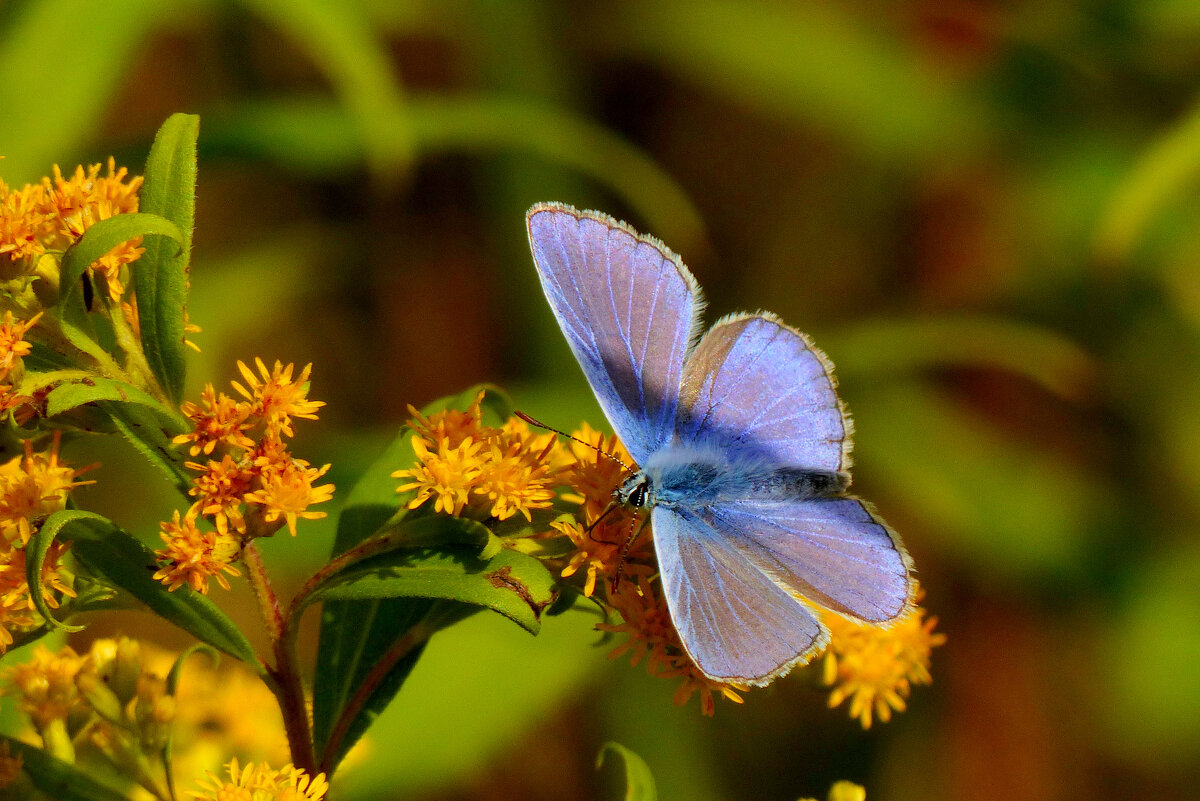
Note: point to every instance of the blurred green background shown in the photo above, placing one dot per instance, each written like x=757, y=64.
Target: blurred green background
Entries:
x=986, y=213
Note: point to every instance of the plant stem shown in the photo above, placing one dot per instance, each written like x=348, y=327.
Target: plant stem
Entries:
x=289, y=686
x=400, y=649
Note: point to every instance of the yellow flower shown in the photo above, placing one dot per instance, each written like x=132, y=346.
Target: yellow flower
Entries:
x=259, y=782
x=518, y=474
x=22, y=219
x=193, y=556
x=12, y=339
x=875, y=666
x=489, y=471
x=288, y=493
x=218, y=420
x=844, y=791
x=45, y=685
x=276, y=398
x=447, y=474
x=31, y=487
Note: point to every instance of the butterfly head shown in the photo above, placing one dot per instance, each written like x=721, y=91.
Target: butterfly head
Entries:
x=634, y=491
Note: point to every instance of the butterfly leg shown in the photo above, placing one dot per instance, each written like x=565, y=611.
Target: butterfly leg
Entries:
x=634, y=531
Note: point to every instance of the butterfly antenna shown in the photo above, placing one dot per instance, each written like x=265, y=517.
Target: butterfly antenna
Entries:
x=596, y=448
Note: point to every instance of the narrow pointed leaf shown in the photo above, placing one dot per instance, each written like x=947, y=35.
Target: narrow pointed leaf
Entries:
x=145, y=432
x=57, y=779
x=39, y=546
x=94, y=389
x=115, y=557
x=639, y=781
x=108, y=234
x=161, y=273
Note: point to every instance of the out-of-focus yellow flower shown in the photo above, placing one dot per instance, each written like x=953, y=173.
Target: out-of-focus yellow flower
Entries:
x=193, y=556
x=259, y=782
x=45, y=685
x=875, y=666
x=844, y=791
x=31, y=487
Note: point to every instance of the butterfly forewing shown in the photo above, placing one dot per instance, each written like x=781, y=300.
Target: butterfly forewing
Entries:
x=760, y=391
x=627, y=306
x=736, y=624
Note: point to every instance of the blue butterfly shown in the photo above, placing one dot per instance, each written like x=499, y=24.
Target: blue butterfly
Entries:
x=742, y=444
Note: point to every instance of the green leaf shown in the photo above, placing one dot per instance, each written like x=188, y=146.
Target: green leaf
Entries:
x=114, y=556
x=512, y=584
x=160, y=275
x=356, y=634
x=106, y=235
x=1167, y=169
x=94, y=389
x=639, y=782
x=57, y=779
x=35, y=556
x=144, y=431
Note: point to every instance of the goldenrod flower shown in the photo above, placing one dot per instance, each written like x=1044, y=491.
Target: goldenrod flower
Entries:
x=22, y=220
x=193, y=556
x=447, y=474
x=45, y=685
x=518, y=474
x=219, y=491
x=288, y=493
x=875, y=666
x=12, y=339
x=488, y=471
x=259, y=782
x=844, y=791
x=31, y=487
x=275, y=398
x=218, y=420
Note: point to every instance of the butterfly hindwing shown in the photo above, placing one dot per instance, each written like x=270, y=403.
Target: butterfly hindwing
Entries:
x=627, y=307
x=737, y=625
x=832, y=551
x=760, y=391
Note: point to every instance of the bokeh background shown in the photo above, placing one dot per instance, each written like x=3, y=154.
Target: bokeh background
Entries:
x=985, y=212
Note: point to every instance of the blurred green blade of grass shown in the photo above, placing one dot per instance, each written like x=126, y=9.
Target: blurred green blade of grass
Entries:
x=340, y=40
x=809, y=63
x=1006, y=508
x=318, y=137
x=1149, y=688
x=909, y=344
x=50, y=97
x=1167, y=168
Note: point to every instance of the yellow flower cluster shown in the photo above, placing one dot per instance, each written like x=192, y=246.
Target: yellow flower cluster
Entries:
x=50, y=216
x=254, y=488
x=470, y=469
x=114, y=700
x=105, y=698
x=475, y=470
x=13, y=347
x=31, y=487
x=260, y=782
x=875, y=667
